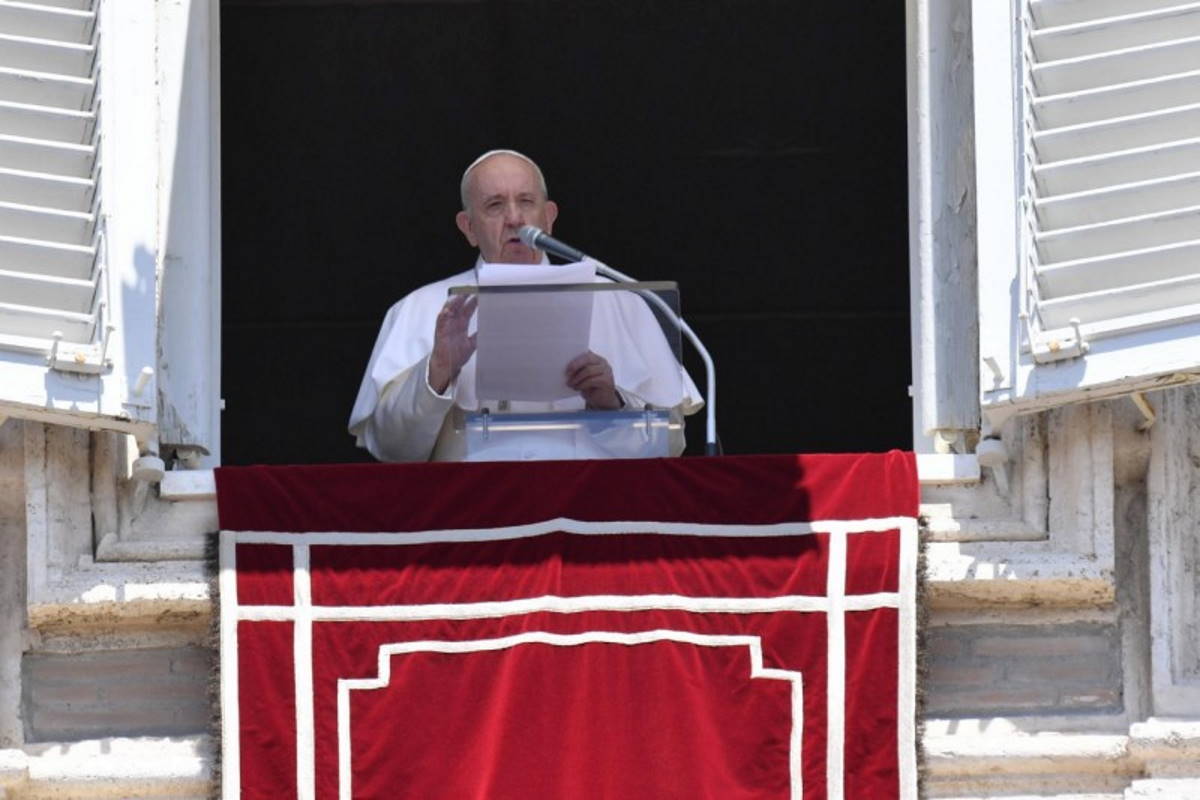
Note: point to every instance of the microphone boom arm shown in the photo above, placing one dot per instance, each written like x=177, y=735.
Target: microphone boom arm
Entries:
x=710, y=372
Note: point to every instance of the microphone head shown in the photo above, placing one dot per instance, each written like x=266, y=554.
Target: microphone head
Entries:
x=529, y=235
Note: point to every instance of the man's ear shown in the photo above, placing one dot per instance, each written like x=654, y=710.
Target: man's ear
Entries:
x=463, y=220
x=551, y=214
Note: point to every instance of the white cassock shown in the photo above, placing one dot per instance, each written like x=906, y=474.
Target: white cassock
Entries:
x=399, y=417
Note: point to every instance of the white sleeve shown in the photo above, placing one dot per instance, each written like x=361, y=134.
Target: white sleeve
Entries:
x=396, y=415
x=405, y=423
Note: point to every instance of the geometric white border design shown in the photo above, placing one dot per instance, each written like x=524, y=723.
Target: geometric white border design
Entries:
x=567, y=605
x=231, y=754
x=754, y=643
x=576, y=526
x=834, y=604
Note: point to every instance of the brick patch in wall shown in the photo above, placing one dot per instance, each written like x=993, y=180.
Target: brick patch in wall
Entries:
x=149, y=692
x=988, y=670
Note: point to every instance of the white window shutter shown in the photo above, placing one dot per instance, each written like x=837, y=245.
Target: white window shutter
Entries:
x=77, y=274
x=1088, y=171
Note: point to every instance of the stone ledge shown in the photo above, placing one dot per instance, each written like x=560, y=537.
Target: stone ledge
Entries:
x=1157, y=757
x=1048, y=753
x=104, y=768
x=111, y=549
x=110, y=593
x=952, y=469
x=1163, y=789
x=1040, y=765
x=188, y=484
x=14, y=768
x=970, y=575
x=1161, y=740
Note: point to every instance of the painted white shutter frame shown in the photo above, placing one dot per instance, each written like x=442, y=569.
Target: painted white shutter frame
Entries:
x=1090, y=244
x=78, y=305
x=941, y=206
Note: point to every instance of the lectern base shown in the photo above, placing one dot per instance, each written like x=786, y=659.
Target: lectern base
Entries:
x=567, y=436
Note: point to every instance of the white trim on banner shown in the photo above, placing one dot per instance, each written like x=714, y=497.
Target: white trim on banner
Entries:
x=231, y=756
x=581, y=527
x=906, y=692
x=306, y=766
x=835, y=668
x=835, y=604
x=570, y=605
x=384, y=677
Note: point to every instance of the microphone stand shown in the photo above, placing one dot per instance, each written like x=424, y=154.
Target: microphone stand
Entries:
x=711, y=447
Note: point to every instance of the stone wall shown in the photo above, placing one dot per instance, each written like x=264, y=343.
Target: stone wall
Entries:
x=104, y=663
x=1050, y=606
x=12, y=580
x=1058, y=648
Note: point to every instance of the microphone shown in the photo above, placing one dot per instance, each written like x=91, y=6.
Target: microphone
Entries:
x=535, y=237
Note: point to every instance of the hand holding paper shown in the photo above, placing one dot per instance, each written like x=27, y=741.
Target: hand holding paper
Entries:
x=592, y=376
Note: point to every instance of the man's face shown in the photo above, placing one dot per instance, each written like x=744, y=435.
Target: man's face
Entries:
x=503, y=193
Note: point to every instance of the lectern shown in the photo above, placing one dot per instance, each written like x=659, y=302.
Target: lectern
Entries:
x=515, y=402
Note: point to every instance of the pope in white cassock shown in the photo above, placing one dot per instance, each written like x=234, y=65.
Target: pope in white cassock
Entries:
x=419, y=380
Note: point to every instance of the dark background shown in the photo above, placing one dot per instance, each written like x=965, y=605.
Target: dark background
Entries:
x=752, y=150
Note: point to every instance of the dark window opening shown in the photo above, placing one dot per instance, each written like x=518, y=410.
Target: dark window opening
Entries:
x=752, y=150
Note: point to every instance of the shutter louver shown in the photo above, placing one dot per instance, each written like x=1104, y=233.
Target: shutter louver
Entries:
x=1112, y=111
x=51, y=247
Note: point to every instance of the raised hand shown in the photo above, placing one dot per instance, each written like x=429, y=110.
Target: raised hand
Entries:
x=591, y=376
x=451, y=344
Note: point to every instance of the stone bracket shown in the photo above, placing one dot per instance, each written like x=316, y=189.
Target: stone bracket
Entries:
x=1049, y=542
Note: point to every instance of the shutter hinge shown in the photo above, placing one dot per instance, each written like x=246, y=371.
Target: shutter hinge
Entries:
x=86, y=359
x=1049, y=348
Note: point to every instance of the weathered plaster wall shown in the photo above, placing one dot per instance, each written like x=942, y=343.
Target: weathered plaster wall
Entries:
x=12, y=579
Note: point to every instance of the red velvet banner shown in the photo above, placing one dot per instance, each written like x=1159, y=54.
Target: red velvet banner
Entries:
x=725, y=628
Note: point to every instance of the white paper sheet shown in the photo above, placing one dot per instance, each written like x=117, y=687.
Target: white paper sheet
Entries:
x=526, y=339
